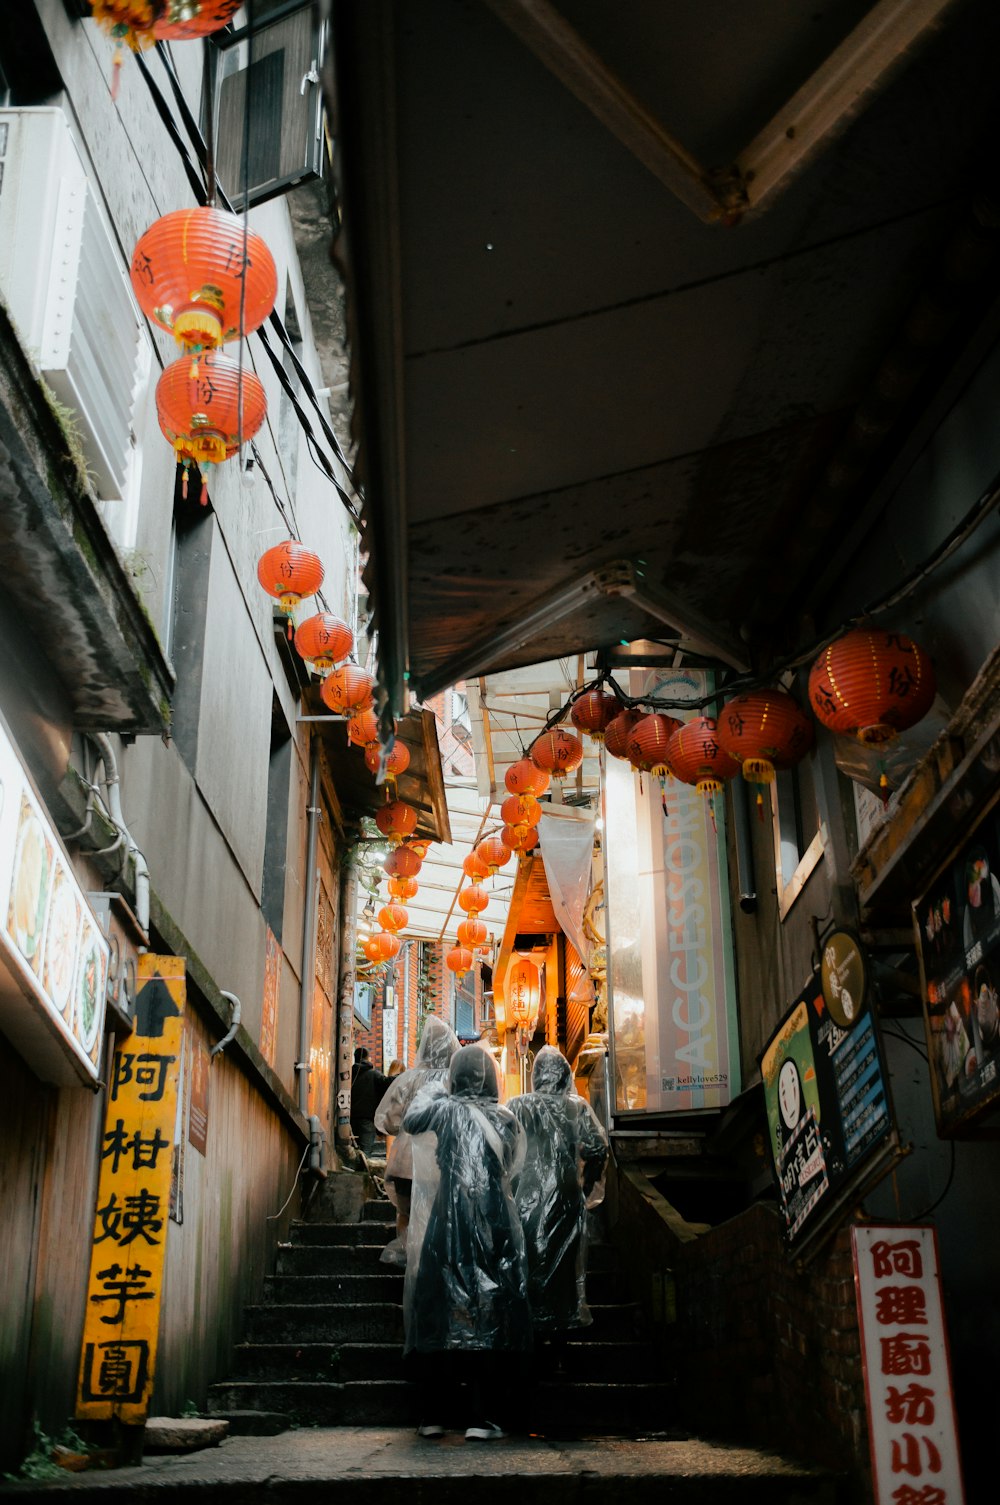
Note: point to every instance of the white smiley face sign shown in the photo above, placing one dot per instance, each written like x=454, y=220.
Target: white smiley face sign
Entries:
x=789, y=1094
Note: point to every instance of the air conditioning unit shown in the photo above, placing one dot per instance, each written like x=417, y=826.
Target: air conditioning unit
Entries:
x=62, y=278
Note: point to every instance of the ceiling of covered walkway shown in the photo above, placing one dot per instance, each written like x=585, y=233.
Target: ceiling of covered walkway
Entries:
x=642, y=301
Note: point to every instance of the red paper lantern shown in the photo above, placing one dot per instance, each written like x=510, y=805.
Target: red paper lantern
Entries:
x=473, y=899
x=459, y=960
x=289, y=572
x=188, y=276
x=397, y=761
x=347, y=690
x=520, y=810
x=474, y=867
x=362, y=729
x=522, y=989
x=494, y=852
x=370, y=948
x=764, y=730
x=647, y=743
x=396, y=820
x=618, y=731
x=472, y=933
x=201, y=414
x=421, y=846
x=558, y=752
x=186, y=20
x=520, y=838
x=384, y=945
x=695, y=756
x=403, y=862
x=592, y=712
x=402, y=888
x=525, y=777
x=324, y=640
x=393, y=917
x=871, y=685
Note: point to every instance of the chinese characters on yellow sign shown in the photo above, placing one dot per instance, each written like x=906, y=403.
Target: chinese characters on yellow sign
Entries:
x=130, y=1228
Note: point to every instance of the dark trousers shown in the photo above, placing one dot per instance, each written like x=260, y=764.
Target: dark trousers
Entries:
x=363, y=1130
x=460, y=1388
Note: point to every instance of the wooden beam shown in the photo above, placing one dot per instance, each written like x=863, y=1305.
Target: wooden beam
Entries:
x=561, y=49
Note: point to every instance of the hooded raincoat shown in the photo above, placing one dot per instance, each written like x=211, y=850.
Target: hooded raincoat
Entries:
x=465, y=1273
x=438, y=1043
x=562, y=1176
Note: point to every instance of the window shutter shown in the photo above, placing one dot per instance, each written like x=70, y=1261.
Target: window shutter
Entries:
x=286, y=107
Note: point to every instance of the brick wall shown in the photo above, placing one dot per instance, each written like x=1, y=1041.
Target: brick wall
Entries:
x=437, y=989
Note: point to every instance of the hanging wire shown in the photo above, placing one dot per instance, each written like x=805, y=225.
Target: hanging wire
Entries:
x=248, y=75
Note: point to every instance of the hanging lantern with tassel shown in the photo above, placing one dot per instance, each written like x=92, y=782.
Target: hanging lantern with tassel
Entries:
x=348, y=690
x=695, y=757
x=402, y=862
x=474, y=867
x=618, y=731
x=396, y=820
x=592, y=711
x=871, y=685
x=187, y=20
x=403, y=889
x=459, y=960
x=494, y=852
x=764, y=730
x=323, y=640
x=526, y=777
x=192, y=277
x=474, y=899
x=646, y=746
x=520, y=838
x=393, y=917
x=558, y=752
x=202, y=414
x=473, y=934
x=290, y=572
x=362, y=729
x=520, y=810
x=384, y=945
x=397, y=761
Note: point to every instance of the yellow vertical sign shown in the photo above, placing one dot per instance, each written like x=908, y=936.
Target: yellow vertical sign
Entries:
x=122, y=1319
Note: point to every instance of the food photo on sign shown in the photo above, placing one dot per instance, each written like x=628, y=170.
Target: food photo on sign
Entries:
x=957, y=923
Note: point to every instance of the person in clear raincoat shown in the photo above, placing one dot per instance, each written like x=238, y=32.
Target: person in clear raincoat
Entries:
x=465, y=1307
x=438, y=1043
x=562, y=1176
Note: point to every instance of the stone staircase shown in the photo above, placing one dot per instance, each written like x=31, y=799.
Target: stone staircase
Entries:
x=325, y=1346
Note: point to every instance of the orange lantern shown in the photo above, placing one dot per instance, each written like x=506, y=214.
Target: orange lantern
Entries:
x=474, y=867
x=402, y=888
x=871, y=685
x=384, y=945
x=592, y=711
x=370, y=947
x=396, y=820
x=348, y=689
x=520, y=810
x=362, y=729
x=397, y=761
x=186, y=20
x=520, y=838
x=201, y=412
x=459, y=960
x=647, y=743
x=402, y=863
x=618, y=731
x=289, y=572
x=420, y=846
x=472, y=933
x=526, y=777
x=494, y=852
x=522, y=993
x=557, y=751
x=695, y=756
x=393, y=917
x=193, y=276
x=474, y=899
x=324, y=640
x=764, y=730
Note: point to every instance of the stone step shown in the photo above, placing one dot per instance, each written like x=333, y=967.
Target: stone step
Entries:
x=339, y=1362
x=552, y=1406
x=293, y=1290
x=380, y=1210
x=362, y=1322
x=333, y=1259
x=342, y=1233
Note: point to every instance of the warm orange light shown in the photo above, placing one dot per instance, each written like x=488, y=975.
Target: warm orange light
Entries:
x=472, y=933
x=393, y=917
x=522, y=992
x=402, y=863
x=396, y=820
x=324, y=640
x=494, y=852
x=290, y=572
x=557, y=751
x=526, y=777
x=402, y=888
x=473, y=899
x=347, y=690
x=459, y=960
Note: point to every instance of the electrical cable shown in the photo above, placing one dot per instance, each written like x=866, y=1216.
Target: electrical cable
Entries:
x=947, y=1188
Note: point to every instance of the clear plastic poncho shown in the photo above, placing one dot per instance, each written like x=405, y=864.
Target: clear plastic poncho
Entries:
x=465, y=1271
x=562, y=1176
x=438, y=1043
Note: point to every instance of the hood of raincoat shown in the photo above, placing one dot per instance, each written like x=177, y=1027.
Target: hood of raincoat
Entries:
x=551, y=1072
x=473, y=1074
x=438, y=1043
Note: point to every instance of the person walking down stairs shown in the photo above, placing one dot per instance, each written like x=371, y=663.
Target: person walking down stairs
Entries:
x=438, y=1043
x=367, y=1089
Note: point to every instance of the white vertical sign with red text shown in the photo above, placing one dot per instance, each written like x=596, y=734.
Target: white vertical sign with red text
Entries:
x=911, y=1412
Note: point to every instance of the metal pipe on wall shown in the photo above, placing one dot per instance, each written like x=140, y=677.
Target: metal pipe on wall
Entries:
x=744, y=848
x=307, y=981
x=345, y=1008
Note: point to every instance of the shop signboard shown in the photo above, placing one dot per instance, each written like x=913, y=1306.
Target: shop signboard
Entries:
x=904, y=1349
x=125, y=1290
x=830, y=1121
x=53, y=954
x=958, y=935
x=671, y=967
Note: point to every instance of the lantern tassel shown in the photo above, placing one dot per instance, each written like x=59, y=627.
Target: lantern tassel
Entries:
x=883, y=784
x=711, y=808
x=116, y=71
x=760, y=807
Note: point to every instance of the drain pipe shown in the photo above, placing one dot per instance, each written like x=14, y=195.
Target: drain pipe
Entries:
x=307, y=980
x=744, y=847
x=237, y=1011
x=112, y=783
x=345, y=1010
